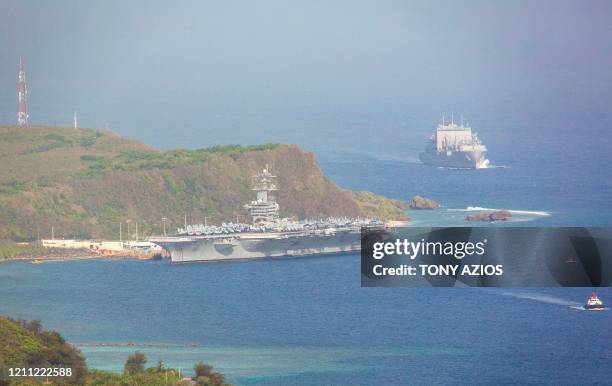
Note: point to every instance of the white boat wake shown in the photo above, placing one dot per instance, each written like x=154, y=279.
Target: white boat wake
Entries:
x=485, y=165
x=581, y=308
x=538, y=297
x=491, y=166
x=408, y=160
x=513, y=211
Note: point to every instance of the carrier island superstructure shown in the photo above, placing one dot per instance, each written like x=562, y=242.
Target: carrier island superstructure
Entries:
x=268, y=235
x=455, y=146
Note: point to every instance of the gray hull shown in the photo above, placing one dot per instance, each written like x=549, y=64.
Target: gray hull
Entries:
x=253, y=246
x=457, y=159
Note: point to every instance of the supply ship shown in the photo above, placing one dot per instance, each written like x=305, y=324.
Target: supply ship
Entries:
x=268, y=235
x=455, y=146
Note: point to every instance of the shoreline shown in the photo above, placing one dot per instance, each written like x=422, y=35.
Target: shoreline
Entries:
x=136, y=344
x=42, y=260
x=39, y=255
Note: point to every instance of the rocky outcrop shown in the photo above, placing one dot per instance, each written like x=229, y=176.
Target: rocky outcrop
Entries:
x=419, y=202
x=498, y=215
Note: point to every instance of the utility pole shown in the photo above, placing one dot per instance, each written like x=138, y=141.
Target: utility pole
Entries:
x=120, y=235
x=164, y=222
x=52, y=233
x=128, y=221
x=185, y=221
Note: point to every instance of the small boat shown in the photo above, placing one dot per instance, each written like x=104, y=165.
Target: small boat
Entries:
x=594, y=303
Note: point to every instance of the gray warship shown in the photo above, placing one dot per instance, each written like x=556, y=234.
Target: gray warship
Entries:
x=455, y=146
x=268, y=235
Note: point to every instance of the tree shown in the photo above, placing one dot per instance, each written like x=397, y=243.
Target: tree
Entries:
x=135, y=363
x=160, y=367
x=217, y=379
x=205, y=376
x=34, y=326
x=202, y=370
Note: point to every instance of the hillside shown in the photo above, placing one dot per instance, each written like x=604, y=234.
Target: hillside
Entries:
x=85, y=182
x=26, y=344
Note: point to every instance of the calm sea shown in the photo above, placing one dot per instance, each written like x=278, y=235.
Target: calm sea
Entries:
x=548, y=171
x=308, y=321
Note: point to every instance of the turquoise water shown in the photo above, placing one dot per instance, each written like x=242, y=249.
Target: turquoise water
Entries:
x=308, y=321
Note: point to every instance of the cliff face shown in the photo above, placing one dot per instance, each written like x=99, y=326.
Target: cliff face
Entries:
x=85, y=182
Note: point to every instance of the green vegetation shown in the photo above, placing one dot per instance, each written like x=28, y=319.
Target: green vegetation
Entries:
x=135, y=363
x=136, y=374
x=26, y=345
x=85, y=182
x=205, y=376
x=9, y=249
x=149, y=159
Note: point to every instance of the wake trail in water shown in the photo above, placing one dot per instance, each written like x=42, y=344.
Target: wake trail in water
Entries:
x=408, y=160
x=543, y=298
x=496, y=167
x=481, y=167
x=488, y=165
x=514, y=211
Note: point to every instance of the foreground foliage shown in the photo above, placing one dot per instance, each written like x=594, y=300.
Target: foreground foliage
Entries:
x=26, y=345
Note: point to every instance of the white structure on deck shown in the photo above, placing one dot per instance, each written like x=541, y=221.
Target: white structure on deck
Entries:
x=451, y=136
x=265, y=208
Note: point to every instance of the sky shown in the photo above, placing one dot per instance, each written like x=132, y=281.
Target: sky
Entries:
x=317, y=73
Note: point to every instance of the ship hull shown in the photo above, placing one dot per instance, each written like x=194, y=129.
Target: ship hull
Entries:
x=254, y=246
x=600, y=307
x=457, y=159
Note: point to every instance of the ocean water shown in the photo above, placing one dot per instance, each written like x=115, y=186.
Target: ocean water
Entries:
x=548, y=171
x=307, y=321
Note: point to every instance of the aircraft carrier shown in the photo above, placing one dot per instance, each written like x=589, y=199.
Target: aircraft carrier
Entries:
x=455, y=146
x=268, y=235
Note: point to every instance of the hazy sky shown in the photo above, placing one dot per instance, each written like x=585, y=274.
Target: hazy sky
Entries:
x=193, y=73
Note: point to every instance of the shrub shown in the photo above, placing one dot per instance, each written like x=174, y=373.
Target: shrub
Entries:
x=135, y=363
x=55, y=137
x=202, y=370
x=89, y=157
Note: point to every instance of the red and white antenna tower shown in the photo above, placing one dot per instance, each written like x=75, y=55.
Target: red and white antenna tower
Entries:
x=22, y=106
